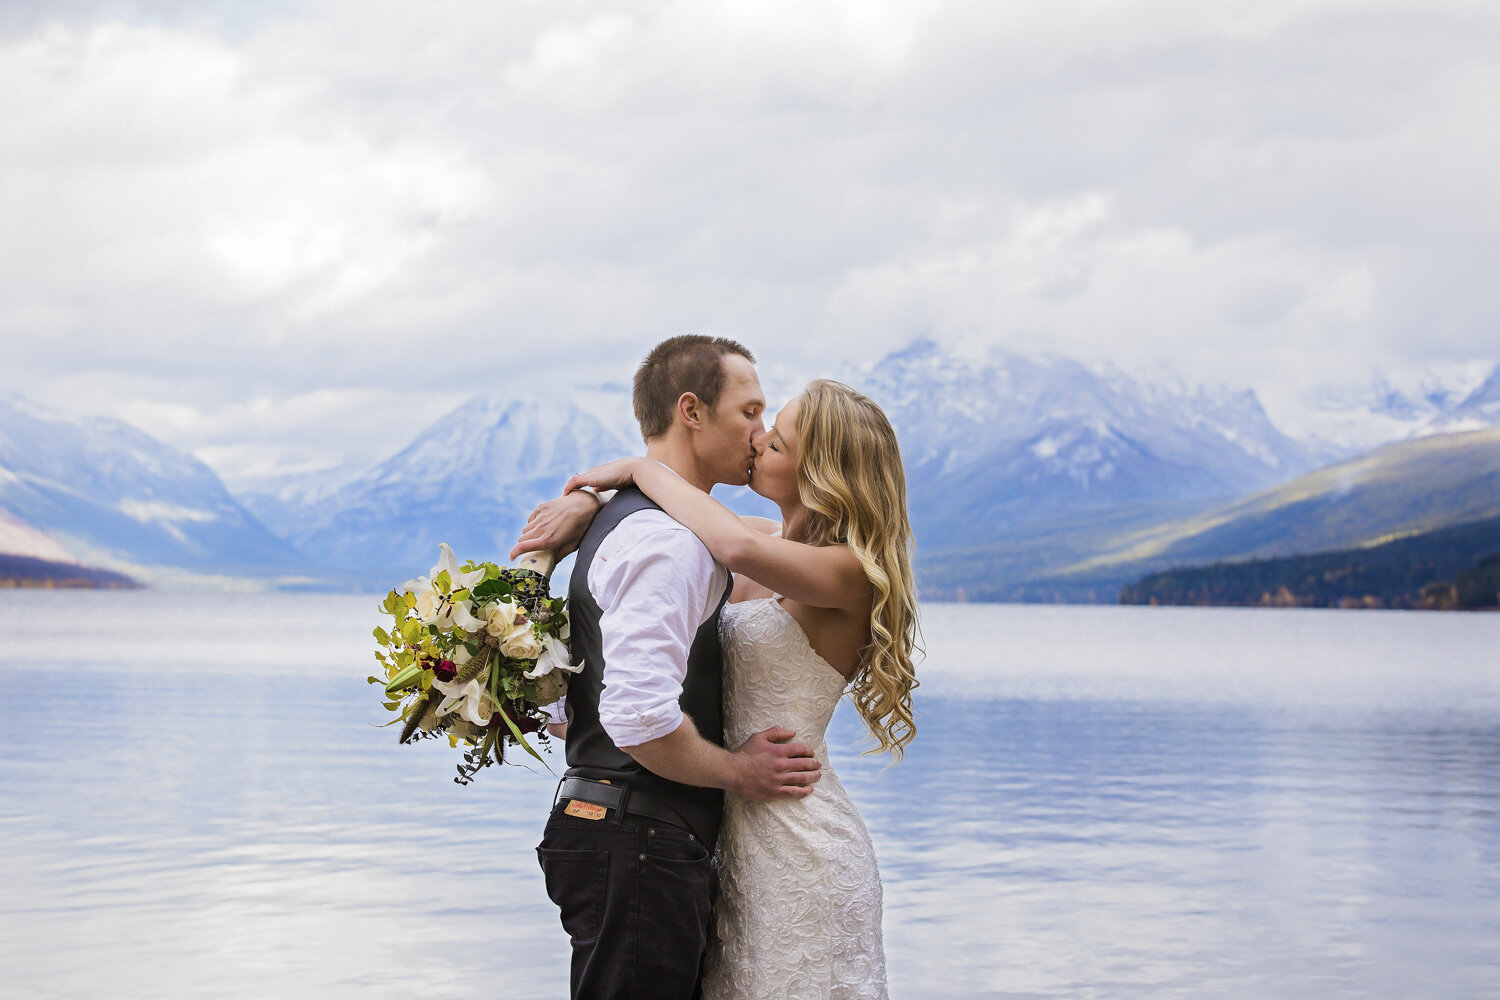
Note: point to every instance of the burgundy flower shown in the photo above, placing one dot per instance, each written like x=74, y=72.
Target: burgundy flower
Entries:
x=444, y=670
x=526, y=724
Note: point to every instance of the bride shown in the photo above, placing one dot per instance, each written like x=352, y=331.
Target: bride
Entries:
x=821, y=607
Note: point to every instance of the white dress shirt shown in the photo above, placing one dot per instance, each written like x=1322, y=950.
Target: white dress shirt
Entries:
x=656, y=585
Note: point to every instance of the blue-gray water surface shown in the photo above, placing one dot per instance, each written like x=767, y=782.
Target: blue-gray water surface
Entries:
x=196, y=801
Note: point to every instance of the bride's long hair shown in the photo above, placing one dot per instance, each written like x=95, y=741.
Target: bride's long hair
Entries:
x=850, y=479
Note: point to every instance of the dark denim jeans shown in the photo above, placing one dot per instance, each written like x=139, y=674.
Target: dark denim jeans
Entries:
x=635, y=898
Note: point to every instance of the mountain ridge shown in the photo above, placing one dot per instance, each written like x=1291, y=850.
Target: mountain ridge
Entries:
x=111, y=496
x=1030, y=478
x=1401, y=489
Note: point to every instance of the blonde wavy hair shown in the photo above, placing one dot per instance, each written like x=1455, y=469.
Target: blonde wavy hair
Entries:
x=850, y=479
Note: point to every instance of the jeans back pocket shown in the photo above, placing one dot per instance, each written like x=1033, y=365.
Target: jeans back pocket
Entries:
x=576, y=881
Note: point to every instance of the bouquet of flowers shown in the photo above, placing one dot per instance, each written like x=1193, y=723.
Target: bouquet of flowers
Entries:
x=474, y=653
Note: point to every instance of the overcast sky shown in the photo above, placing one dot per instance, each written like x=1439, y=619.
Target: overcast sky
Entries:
x=283, y=233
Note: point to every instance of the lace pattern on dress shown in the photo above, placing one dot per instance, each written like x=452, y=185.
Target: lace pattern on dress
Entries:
x=799, y=910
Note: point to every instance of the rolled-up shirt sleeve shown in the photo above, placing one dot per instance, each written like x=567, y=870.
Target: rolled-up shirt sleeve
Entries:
x=654, y=593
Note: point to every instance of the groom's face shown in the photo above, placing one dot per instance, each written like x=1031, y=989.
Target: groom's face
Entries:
x=725, y=446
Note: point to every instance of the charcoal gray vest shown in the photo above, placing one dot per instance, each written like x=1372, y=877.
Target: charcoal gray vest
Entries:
x=591, y=753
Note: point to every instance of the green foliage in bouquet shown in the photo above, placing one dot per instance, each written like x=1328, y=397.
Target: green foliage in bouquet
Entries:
x=474, y=652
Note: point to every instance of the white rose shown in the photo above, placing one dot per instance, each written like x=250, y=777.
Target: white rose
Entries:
x=499, y=618
x=521, y=644
x=427, y=607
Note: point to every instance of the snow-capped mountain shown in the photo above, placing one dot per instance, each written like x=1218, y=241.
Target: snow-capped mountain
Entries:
x=286, y=500
x=1395, y=406
x=998, y=449
x=20, y=539
x=988, y=445
x=1479, y=409
x=109, y=495
x=470, y=480
x=1011, y=440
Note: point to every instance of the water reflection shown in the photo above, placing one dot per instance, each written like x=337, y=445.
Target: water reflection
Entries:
x=1098, y=849
x=1092, y=811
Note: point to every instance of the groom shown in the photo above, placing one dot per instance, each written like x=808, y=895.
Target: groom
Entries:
x=627, y=848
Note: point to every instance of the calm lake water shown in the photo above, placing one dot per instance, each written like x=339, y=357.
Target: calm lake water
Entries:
x=1101, y=802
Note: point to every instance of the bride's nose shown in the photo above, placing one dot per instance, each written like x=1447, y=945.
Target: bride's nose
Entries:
x=758, y=441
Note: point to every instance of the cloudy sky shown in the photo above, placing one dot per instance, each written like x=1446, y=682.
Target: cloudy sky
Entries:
x=283, y=234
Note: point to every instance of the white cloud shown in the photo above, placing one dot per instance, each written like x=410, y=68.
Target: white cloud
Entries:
x=376, y=201
x=159, y=188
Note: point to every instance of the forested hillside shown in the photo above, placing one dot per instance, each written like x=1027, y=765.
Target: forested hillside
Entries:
x=1452, y=568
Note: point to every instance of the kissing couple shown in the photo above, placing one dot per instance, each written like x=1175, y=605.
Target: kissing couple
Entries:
x=700, y=631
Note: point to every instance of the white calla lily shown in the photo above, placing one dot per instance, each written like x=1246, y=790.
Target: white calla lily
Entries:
x=554, y=656
x=459, y=614
x=471, y=700
x=447, y=562
x=433, y=608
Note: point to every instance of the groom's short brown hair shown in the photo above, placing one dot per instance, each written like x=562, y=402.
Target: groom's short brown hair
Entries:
x=688, y=363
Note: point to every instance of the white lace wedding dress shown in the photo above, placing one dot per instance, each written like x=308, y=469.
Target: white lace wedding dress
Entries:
x=798, y=914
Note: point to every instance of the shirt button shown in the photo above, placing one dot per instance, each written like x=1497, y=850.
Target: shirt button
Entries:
x=643, y=857
x=651, y=831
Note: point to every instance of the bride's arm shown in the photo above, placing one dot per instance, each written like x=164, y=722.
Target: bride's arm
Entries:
x=827, y=576
x=559, y=524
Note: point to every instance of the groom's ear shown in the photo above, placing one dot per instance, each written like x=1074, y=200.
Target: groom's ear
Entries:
x=691, y=411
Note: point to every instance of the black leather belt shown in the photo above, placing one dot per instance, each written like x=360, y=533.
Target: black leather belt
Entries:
x=620, y=798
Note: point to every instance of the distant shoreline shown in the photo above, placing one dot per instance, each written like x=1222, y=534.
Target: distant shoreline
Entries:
x=30, y=573
x=73, y=583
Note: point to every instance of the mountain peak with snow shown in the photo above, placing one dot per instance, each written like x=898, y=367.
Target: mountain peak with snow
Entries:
x=1396, y=405
x=110, y=495
x=997, y=445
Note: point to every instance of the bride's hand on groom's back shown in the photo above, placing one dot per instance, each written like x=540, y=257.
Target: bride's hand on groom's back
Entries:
x=773, y=767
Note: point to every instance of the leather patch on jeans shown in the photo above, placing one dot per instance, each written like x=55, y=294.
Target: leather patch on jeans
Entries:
x=584, y=810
